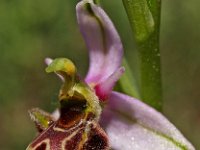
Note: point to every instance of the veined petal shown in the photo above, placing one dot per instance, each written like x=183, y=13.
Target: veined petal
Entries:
x=102, y=40
x=133, y=125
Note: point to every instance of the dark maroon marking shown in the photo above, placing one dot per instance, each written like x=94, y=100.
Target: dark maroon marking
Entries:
x=75, y=141
x=97, y=139
x=42, y=147
x=72, y=111
x=70, y=119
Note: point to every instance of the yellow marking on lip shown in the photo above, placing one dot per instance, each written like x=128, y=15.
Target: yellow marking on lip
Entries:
x=46, y=141
x=63, y=130
x=68, y=138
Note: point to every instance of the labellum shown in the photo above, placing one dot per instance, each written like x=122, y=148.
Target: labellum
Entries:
x=77, y=127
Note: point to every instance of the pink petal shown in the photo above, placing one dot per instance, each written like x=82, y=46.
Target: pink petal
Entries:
x=104, y=89
x=102, y=39
x=133, y=125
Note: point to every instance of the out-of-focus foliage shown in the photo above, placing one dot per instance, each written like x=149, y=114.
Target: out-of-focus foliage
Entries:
x=33, y=30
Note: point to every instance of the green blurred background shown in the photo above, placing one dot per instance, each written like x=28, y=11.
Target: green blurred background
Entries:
x=32, y=30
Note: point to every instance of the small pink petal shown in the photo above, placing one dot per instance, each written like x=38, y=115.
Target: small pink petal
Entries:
x=104, y=88
x=133, y=125
x=102, y=39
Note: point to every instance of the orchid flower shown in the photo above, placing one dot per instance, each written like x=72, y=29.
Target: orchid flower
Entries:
x=92, y=115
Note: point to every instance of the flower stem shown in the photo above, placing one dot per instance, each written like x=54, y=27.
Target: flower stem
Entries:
x=144, y=17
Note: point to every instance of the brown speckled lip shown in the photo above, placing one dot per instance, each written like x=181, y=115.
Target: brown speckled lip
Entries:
x=97, y=139
x=76, y=129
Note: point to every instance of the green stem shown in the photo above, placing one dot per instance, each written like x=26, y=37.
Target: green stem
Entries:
x=144, y=17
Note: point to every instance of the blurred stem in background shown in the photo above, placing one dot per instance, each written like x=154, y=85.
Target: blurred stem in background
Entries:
x=144, y=18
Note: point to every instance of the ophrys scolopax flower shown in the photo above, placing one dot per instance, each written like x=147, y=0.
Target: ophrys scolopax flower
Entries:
x=129, y=124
